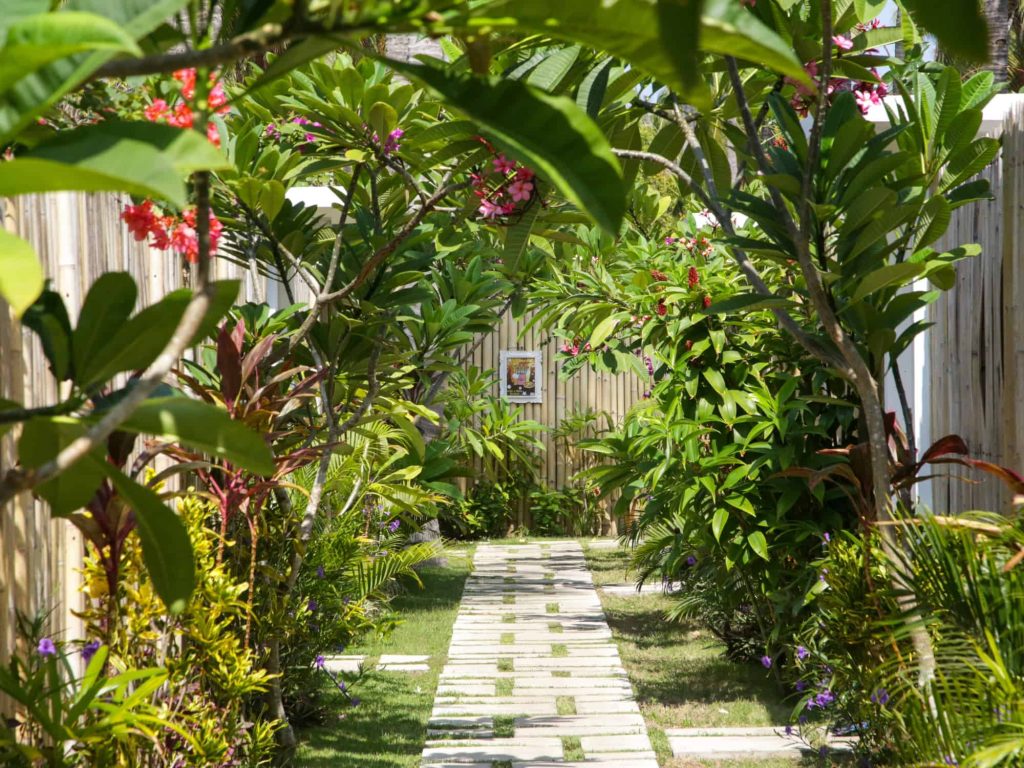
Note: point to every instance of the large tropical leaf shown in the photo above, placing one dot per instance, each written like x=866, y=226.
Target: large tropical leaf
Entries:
x=549, y=133
x=21, y=274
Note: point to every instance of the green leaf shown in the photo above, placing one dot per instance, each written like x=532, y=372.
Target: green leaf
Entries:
x=679, y=27
x=140, y=158
x=759, y=544
x=271, y=198
x=166, y=547
x=891, y=274
x=204, y=427
x=716, y=380
x=382, y=118
x=729, y=29
x=41, y=440
x=140, y=340
x=718, y=522
x=35, y=41
x=549, y=73
x=603, y=330
x=21, y=274
x=106, y=308
x=48, y=319
x=548, y=133
x=37, y=91
x=745, y=301
x=958, y=24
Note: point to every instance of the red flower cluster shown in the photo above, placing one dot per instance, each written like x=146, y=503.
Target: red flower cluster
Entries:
x=707, y=302
x=181, y=114
x=693, y=277
x=178, y=234
x=658, y=275
x=661, y=309
x=504, y=188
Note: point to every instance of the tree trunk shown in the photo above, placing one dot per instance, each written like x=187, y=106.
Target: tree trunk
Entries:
x=997, y=15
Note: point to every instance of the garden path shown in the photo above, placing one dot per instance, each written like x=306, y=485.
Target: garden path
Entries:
x=533, y=677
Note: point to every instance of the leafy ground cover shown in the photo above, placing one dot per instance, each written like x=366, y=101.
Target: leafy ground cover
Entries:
x=679, y=672
x=389, y=727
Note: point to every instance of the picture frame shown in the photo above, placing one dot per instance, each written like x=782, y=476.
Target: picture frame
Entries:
x=522, y=376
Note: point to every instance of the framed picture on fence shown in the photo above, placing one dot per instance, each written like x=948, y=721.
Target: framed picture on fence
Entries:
x=521, y=376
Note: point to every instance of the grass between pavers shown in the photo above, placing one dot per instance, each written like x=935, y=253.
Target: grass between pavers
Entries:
x=572, y=749
x=388, y=729
x=679, y=671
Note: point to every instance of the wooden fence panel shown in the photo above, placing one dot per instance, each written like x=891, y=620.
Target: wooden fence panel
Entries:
x=976, y=345
x=78, y=237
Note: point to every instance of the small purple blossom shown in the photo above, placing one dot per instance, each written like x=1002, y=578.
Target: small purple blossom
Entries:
x=823, y=750
x=800, y=686
x=46, y=647
x=789, y=730
x=880, y=697
x=950, y=760
x=356, y=701
x=766, y=661
x=89, y=650
x=394, y=524
x=320, y=661
x=822, y=700
x=320, y=572
x=312, y=605
x=802, y=719
x=827, y=537
x=802, y=653
x=691, y=561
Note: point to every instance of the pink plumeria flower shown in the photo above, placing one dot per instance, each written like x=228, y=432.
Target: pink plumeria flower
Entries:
x=520, y=191
x=503, y=165
x=865, y=100
x=488, y=209
x=842, y=43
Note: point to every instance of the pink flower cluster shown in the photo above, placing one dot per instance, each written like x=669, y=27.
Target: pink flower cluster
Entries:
x=391, y=141
x=575, y=348
x=181, y=114
x=178, y=234
x=866, y=92
x=503, y=187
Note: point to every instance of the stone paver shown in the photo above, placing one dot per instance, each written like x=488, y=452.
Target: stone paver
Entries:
x=350, y=664
x=398, y=663
x=532, y=663
x=630, y=590
x=741, y=743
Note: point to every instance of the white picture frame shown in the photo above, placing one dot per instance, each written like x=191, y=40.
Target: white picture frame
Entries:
x=521, y=376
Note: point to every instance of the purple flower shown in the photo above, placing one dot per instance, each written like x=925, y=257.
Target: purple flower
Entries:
x=356, y=701
x=822, y=700
x=827, y=537
x=823, y=750
x=312, y=605
x=880, y=697
x=46, y=647
x=691, y=561
x=802, y=653
x=766, y=662
x=320, y=661
x=950, y=760
x=800, y=685
x=393, y=525
x=789, y=730
x=647, y=394
x=320, y=572
x=802, y=719
x=89, y=650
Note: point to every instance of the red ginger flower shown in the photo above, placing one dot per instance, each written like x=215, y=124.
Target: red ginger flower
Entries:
x=707, y=302
x=658, y=275
x=661, y=309
x=693, y=277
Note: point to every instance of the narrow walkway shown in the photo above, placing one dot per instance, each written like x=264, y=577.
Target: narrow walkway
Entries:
x=533, y=677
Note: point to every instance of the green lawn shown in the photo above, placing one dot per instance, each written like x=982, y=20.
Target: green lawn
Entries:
x=678, y=670
x=389, y=727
